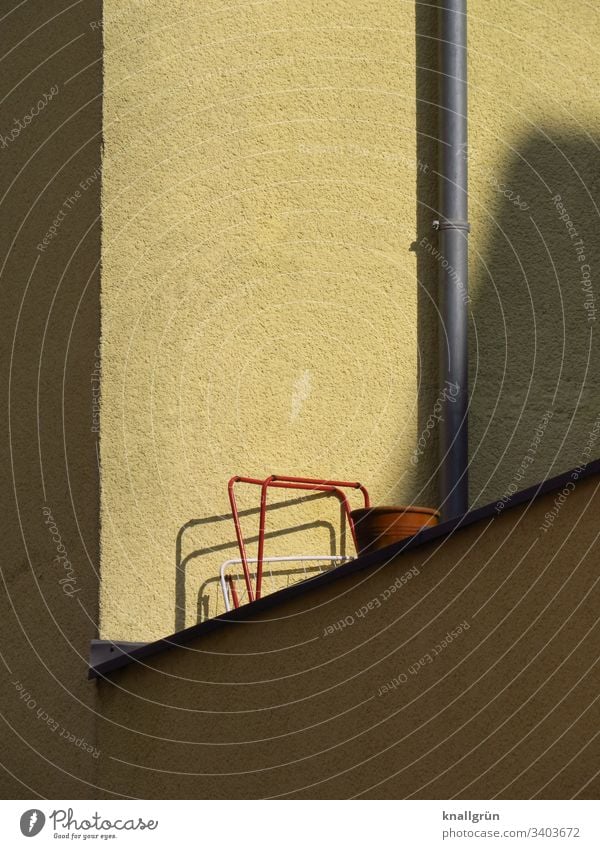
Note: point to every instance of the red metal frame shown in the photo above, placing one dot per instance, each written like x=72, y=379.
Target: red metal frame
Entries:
x=282, y=482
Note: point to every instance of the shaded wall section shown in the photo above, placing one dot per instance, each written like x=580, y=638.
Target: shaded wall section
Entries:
x=533, y=132
x=535, y=357
x=467, y=668
x=50, y=146
x=533, y=278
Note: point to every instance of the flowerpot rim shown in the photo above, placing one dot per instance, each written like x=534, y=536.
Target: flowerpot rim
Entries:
x=364, y=511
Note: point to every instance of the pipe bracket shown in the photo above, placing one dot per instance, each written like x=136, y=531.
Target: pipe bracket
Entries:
x=452, y=224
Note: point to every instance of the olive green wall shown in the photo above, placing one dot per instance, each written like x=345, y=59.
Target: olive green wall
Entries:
x=356, y=690
x=50, y=334
x=269, y=281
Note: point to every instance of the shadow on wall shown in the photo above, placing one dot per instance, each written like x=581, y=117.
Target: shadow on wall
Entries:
x=209, y=597
x=534, y=360
x=50, y=146
x=535, y=249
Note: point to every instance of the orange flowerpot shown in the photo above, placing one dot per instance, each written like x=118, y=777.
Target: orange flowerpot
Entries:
x=377, y=527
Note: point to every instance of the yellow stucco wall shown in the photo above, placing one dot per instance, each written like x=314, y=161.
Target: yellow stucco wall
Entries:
x=259, y=292
x=268, y=181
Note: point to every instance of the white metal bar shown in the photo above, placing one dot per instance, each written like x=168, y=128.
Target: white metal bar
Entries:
x=329, y=558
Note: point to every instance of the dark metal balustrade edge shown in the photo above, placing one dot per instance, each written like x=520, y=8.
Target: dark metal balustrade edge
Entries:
x=107, y=656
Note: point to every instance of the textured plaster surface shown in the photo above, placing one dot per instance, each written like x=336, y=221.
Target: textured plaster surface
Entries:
x=333, y=696
x=533, y=124
x=49, y=336
x=259, y=292
x=267, y=297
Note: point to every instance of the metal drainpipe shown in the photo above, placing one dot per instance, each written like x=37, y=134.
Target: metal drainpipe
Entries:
x=453, y=230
